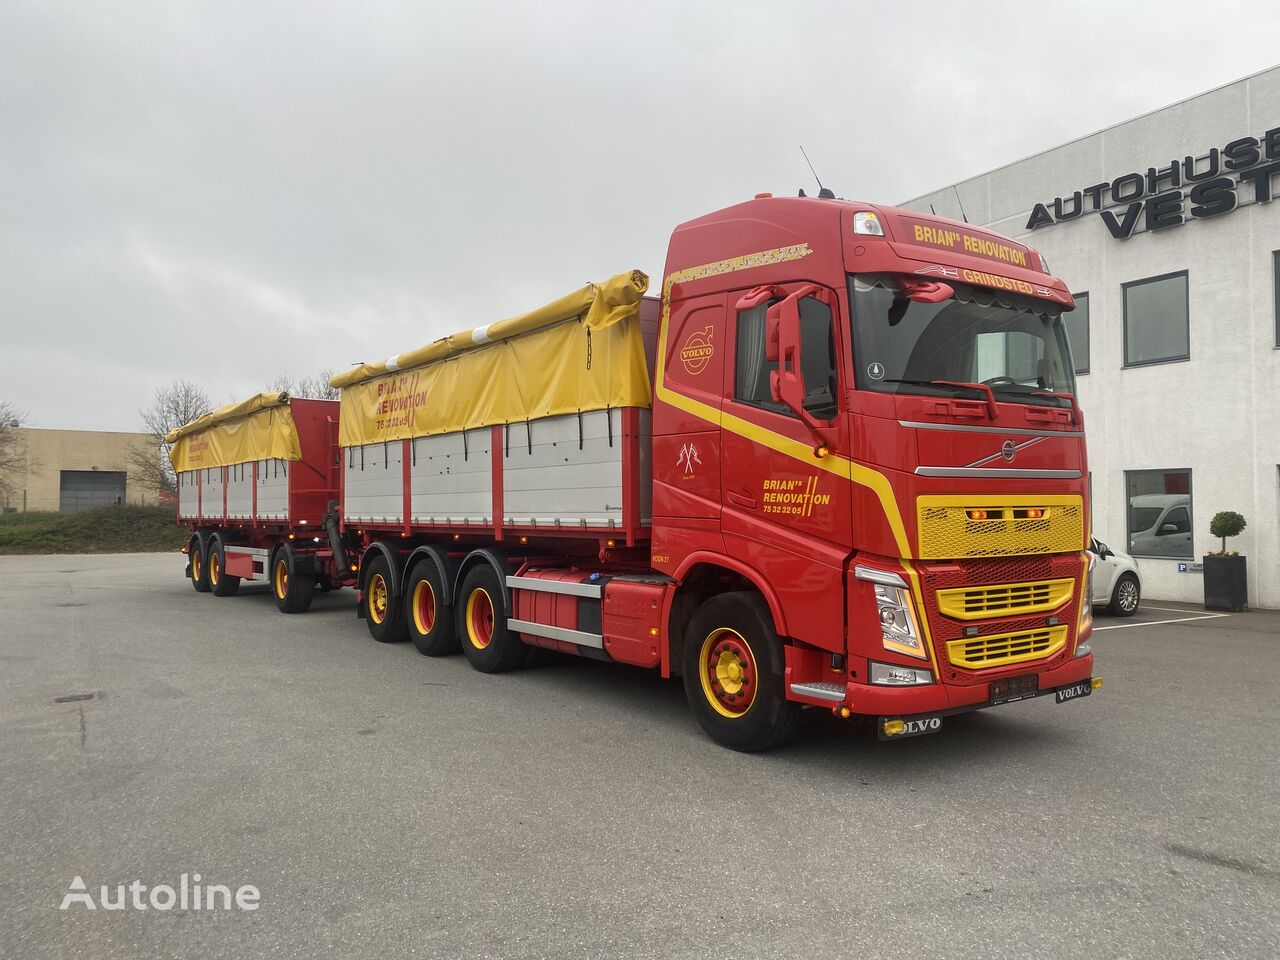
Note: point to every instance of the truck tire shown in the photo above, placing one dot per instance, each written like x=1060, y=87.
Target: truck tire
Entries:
x=383, y=609
x=734, y=674
x=481, y=618
x=293, y=590
x=220, y=583
x=428, y=618
x=198, y=565
x=1126, y=596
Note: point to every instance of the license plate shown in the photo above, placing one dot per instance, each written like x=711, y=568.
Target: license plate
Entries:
x=1014, y=688
x=1075, y=691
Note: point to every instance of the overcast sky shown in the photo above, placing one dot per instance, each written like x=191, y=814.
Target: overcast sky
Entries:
x=231, y=191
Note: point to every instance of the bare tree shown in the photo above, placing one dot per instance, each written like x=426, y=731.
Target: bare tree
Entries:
x=313, y=387
x=13, y=449
x=176, y=404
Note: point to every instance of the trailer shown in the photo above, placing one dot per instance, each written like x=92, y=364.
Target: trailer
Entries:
x=837, y=465
x=256, y=481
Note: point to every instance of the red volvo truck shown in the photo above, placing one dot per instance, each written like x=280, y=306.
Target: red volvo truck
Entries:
x=838, y=465
x=255, y=482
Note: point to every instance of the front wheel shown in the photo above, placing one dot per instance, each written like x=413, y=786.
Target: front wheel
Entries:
x=198, y=567
x=734, y=674
x=292, y=588
x=1126, y=596
x=382, y=612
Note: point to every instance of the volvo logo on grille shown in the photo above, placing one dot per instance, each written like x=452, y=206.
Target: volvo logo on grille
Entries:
x=1008, y=450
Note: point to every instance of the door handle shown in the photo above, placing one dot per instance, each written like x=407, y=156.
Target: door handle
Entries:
x=741, y=499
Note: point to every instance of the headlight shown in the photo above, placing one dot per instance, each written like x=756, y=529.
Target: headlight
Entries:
x=899, y=630
x=892, y=675
x=1086, y=602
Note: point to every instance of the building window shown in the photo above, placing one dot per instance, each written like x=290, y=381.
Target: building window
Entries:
x=1159, y=513
x=1156, y=324
x=1077, y=323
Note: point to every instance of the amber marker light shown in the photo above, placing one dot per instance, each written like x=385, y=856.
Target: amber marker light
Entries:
x=1034, y=514
x=524, y=539
x=653, y=631
x=1095, y=682
x=893, y=727
x=611, y=543
x=977, y=514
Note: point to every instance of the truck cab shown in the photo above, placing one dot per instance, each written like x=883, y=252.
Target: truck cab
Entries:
x=866, y=417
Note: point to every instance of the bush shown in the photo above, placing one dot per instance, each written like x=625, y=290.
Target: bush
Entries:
x=104, y=530
x=1228, y=523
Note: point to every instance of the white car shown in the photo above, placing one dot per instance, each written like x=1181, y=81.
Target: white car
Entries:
x=1116, y=583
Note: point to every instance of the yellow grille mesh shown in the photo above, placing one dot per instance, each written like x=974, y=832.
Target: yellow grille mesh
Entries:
x=1005, y=599
x=977, y=653
x=947, y=532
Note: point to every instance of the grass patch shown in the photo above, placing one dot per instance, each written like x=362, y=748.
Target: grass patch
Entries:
x=104, y=530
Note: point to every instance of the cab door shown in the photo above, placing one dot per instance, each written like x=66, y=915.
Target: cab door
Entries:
x=785, y=510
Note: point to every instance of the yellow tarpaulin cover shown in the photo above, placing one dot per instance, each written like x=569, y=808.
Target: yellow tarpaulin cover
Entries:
x=259, y=428
x=581, y=352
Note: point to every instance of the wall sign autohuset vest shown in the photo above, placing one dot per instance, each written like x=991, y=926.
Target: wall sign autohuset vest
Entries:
x=1212, y=183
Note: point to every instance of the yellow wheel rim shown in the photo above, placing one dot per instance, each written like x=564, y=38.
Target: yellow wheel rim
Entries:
x=214, y=569
x=479, y=618
x=424, y=607
x=728, y=672
x=196, y=565
x=379, y=598
x=282, y=579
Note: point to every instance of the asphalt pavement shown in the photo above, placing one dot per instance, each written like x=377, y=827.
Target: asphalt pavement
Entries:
x=387, y=805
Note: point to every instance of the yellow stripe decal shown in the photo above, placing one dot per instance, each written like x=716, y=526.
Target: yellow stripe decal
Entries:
x=839, y=466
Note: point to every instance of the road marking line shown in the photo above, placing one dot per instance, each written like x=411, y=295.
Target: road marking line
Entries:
x=1156, y=623
x=1147, y=606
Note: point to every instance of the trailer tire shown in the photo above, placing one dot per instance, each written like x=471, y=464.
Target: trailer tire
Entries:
x=220, y=583
x=383, y=607
x=481, y=619
x=292, y=588
x=428, y=618
x=734, y=674
x=198, y=565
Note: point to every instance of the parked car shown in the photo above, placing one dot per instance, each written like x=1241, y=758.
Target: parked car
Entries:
x=1160, y=525
x=1116, y=582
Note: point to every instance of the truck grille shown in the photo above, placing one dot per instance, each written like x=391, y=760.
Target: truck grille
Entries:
x=977, y=653
x=1004, y=599
x=948, y=530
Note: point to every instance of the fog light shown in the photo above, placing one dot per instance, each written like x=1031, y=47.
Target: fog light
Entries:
x=892, y=675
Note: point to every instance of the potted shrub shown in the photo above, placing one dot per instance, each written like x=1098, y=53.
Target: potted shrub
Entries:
x=1226, y=580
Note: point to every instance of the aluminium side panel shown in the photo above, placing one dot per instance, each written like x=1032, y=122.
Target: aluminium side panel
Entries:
x=451, y=477
x=564, y=471
x=273, y=489
x=211, y=493
x=188, y=495
x=373, y=483
x=240, y=491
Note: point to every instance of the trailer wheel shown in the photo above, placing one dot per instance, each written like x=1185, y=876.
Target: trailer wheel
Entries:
x=734, y=674
x=198, y=564
x=482, y=618
x=293, y=591
x=382, y=608
x=428, y=617
x=220, y=582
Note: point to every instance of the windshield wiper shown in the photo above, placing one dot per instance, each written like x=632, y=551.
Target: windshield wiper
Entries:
x=958, y=384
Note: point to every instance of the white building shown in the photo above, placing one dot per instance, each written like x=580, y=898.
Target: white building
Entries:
x=1164, y=229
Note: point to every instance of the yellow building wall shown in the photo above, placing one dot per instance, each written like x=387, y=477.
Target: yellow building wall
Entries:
x=49, y=452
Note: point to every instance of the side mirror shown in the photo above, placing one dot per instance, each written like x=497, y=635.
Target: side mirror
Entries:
x=1166, y=529
x=782, y=345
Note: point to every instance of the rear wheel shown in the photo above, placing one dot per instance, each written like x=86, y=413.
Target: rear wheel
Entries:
x=220, y=582
x=482, y=623
x=428, y=617
x=292, y=588
x=1126, y=596
x=734, y=674
x=382, y=612
x=198, y=565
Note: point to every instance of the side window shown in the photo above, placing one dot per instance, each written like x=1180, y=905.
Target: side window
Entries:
x=1179, y=518
x=817, y=358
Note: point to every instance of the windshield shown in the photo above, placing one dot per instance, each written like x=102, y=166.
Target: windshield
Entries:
x=1015, y=344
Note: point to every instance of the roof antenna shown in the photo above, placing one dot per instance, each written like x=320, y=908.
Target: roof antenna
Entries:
x=960, y=203
x=823, y=192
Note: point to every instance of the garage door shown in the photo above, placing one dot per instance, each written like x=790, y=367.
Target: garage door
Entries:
x=86, y=489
